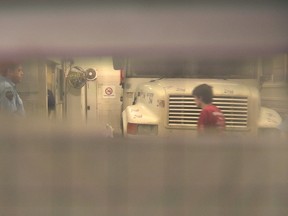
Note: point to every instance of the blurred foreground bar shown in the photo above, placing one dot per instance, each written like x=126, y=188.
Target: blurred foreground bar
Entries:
x=51, y=171
x=38, y=29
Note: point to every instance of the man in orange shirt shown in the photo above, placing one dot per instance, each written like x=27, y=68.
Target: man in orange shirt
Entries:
x=211, y=119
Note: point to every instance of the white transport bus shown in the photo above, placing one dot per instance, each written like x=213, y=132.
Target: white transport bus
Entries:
x=157, y=95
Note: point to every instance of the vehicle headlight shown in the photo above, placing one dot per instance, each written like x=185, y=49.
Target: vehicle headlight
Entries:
x=142, y=129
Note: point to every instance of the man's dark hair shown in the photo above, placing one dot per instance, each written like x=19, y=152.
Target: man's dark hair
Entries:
x=204, y=92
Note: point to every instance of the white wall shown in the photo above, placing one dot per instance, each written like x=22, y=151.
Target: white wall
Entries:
x=104, y=109
x=274, y=91
x=33, y=89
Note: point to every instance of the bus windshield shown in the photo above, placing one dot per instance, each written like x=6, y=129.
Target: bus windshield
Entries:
x=187, y=68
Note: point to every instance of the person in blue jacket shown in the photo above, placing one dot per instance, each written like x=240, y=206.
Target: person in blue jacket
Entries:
x=11, y=73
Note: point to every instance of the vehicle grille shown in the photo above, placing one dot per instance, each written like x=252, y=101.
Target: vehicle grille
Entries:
x=184, y=112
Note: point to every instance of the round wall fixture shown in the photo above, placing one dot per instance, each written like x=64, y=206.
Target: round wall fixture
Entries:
x=76, y=77
x=91, y=74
